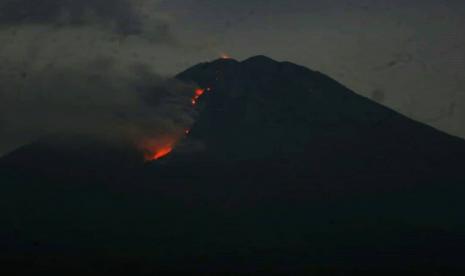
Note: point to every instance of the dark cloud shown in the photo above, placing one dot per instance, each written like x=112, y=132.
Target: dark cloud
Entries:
x=122, y=16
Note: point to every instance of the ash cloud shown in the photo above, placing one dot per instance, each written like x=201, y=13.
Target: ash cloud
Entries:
x=99, y=99
x=86, y=67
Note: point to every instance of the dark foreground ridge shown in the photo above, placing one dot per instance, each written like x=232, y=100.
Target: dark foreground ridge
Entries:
x=285, y=171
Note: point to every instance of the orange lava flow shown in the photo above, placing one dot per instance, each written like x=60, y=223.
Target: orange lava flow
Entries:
x=155, y=149
x=162, y=152
x=158, y=153
x=199, y=91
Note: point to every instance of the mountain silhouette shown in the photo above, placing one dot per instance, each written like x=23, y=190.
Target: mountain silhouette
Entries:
x=285, y=170
x=260, y=109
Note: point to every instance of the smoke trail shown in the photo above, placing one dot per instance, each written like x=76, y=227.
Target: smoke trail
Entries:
x=82, y=67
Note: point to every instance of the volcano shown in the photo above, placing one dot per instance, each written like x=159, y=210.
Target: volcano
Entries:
x=307, y=125
x=285, y=170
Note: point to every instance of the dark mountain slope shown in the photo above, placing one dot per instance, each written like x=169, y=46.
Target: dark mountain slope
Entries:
x=73, y=157
x=262, y=109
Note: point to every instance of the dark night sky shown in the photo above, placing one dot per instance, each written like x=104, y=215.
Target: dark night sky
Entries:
x=406, y=54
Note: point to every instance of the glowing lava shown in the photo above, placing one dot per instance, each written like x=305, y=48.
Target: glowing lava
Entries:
x=199, y=91
x=155, y=149
x=151, y=155
x=162, y=153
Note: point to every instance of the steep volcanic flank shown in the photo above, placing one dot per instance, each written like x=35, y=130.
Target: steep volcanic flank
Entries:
x=284, y=168
x=260, y=109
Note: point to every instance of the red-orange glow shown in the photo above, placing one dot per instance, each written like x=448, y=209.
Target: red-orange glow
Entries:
x=199, y=91
x=158, y=153
x=225, y=56
x=162, y=152
x=155, y=149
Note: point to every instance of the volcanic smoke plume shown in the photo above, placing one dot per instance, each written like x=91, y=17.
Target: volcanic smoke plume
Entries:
x=98, y=99
x=82, y=67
